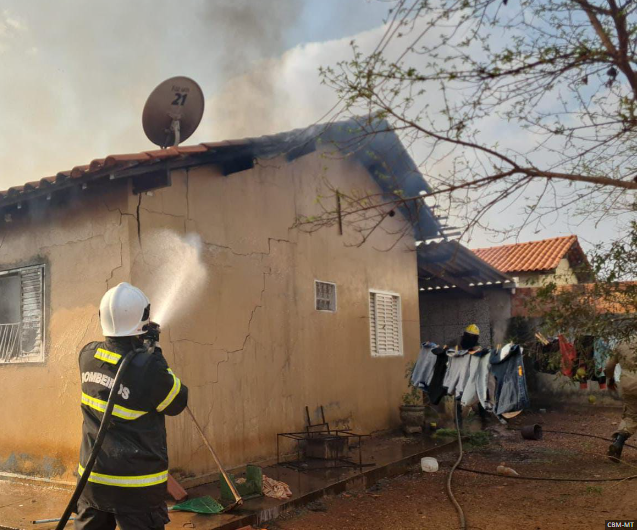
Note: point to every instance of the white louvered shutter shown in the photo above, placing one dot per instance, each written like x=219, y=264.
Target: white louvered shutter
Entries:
x=32, y=281
x=385, y=324
x=373, y=325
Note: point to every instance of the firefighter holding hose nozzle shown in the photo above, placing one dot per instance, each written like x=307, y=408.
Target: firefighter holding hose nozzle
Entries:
x=127, y=485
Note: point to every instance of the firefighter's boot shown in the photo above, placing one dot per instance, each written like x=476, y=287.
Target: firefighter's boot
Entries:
x=615, y=449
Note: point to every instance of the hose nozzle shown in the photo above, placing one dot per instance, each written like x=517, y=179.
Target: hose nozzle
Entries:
x=152, y=333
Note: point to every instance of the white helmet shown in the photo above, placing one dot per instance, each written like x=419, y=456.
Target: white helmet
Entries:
x=124, y=311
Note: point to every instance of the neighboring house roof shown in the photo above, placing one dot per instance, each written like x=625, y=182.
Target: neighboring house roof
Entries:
x=534, y=256
x=371, y=143
x=449, y=265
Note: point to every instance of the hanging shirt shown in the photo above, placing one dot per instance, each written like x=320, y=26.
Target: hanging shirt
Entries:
x=458, y=371
x=424, y=367
x=476, y=389
x=568, y=356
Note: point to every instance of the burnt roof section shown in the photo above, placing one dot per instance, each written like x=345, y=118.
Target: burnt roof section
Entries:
x=450, y=265
x=370, y=142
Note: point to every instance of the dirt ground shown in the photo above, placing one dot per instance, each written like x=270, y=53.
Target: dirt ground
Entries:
x=418, y=500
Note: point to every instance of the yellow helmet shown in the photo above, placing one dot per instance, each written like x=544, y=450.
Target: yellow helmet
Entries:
x=473, y=329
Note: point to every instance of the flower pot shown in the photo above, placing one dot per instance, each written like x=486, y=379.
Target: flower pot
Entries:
x=412, y=418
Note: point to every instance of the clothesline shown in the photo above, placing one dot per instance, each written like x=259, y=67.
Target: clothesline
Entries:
x=495, y=378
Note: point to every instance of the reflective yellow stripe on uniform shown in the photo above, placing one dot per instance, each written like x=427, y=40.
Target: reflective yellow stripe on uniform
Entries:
x=127, y=481
x=107, y=356
x=177, y=385
x=120, y=412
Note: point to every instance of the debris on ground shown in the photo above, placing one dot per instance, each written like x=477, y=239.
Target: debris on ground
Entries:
x=317, y=506
x=506, y=471
x=276, y=489
x=417, y=500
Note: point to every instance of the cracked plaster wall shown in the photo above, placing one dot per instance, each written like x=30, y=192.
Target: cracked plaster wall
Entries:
x=251, y=348
x=84, y=245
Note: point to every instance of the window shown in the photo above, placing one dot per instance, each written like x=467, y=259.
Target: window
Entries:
x=386, y=337
x=22, y=315
x=325, y=296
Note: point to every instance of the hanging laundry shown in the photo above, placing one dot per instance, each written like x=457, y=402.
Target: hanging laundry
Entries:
x=476, y=389
x=436, y=390
x=458, y=371
x=511, y=388
x=424, y=367
x=602, y=353
x=568, y=356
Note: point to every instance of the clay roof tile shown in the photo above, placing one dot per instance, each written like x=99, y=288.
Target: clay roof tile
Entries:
x=543, y=255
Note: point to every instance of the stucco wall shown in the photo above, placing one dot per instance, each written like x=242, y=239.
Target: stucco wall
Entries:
x=249, y=343
x=83, y=243
x=562, y=275
x=251, y=347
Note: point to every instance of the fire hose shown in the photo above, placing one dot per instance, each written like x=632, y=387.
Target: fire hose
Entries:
x=448, y=485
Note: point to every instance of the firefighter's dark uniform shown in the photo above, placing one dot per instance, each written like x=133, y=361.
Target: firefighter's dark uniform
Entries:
x=128, y=482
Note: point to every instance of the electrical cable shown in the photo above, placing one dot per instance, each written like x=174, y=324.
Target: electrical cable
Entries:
x=101, y=433
x=552, y=479
x=448, y=485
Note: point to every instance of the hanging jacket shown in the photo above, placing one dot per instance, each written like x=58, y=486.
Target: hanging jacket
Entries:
x=458, y=371
x=131, y=469
x=476, y=389
x=436, y=390
x=424, y=367
x=511, y=388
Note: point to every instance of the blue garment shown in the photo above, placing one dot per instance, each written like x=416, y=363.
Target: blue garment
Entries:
x=424, y=367
x=511, y=388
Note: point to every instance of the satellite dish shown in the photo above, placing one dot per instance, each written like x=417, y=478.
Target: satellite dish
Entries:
x=173, y=111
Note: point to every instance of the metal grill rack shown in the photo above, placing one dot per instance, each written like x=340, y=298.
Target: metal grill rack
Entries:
x=320, y=447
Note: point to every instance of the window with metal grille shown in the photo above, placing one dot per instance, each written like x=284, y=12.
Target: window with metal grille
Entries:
x=386, y=337
x=22, y=315
x=325, y=296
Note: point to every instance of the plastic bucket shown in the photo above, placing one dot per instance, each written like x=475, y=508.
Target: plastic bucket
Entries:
x=532, y=432
x=429, y=464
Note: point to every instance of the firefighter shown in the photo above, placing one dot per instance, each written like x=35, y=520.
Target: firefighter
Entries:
x=625, y=355
x=127, y=485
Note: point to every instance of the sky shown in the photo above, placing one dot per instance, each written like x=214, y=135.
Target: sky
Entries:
x=75, y=74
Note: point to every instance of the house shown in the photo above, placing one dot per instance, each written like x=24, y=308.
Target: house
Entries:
x=283, y=317
x=535, y=263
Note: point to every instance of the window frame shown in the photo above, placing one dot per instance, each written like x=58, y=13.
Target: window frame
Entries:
x=42, y=266
x=315, y=297
x=374, y=348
